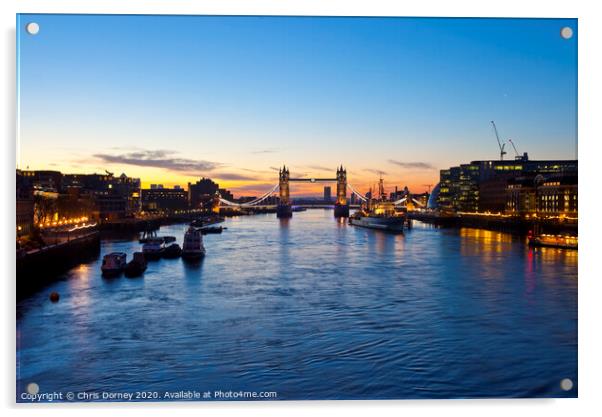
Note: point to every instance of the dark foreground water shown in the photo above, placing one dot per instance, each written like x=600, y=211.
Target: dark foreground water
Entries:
x=313, y=309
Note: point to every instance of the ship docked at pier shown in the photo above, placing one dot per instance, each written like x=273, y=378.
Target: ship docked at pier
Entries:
x=380, y=214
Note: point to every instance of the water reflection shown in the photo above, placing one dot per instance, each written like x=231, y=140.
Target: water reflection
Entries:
x=192, y=264
x=566, y=257
x=280, y=304
x=484, y=241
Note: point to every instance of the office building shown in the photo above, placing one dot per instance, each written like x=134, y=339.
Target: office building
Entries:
x=164, y=199
x=480, y=186
x=327, y=194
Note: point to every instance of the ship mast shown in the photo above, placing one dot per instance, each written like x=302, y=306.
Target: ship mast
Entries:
x=381, y=189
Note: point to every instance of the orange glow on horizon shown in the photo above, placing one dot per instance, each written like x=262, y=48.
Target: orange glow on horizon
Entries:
x=265, y=181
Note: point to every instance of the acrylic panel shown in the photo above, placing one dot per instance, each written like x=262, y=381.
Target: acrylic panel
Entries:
x=295, y=208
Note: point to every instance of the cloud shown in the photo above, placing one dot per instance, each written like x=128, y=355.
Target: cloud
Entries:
x=232, y=176
x=320, y=168
x=260, y=151
x=375, y=171
x=256, y=171
x=164, y=159
x=412, y=165
x=275, y=169
x=258, y=188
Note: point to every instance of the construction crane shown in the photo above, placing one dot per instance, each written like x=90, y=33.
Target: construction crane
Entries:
x=429, y=187
x=517, y=156
x=499, y=143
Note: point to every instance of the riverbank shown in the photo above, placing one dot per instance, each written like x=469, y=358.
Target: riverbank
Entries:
x=39, y=267
x=498, y=223
x=154, y=222
x=62, y=250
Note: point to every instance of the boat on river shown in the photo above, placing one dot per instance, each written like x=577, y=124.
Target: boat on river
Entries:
x=379, y=214
x=136, y=266
x=166, y=239
x=207, y=221
x=113, y=264
x=153, y=248
x=554, y=241
x=212, y=229
x=193, y=247
x=172, y=251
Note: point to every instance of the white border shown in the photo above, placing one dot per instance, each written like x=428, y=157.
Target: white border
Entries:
x=590, y=68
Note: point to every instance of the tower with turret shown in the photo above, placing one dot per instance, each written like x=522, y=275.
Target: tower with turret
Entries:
x=284, y=208
x=341, y=208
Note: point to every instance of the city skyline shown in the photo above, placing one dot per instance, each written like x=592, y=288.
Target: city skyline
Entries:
x=368, y=208
x=241, y=96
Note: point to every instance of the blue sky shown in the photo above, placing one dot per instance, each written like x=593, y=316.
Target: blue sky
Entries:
x=171, y=98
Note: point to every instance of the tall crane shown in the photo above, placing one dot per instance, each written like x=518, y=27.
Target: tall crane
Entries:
x=517, y=156
x=499, y=143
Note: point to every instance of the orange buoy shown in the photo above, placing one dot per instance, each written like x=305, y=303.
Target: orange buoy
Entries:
x=54, y=296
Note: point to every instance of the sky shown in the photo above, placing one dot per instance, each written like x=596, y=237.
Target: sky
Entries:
x=170, y=99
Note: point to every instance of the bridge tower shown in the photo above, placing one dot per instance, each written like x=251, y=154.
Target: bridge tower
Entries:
x=215, y=203
x=410, y=206
x=284, y=209
x=341, y=208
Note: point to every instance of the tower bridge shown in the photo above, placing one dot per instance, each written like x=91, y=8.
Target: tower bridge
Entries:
x=341, y=208
x=284, y=207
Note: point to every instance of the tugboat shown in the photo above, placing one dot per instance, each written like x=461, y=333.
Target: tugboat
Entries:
x=172, y=251
x=212, y=229
x=193, y=244
x=136, y=266
x=379, y=214
x=206, y=221
x=153, y=248
x=113, y=264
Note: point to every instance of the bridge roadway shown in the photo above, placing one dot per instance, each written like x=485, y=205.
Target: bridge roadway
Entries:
x=312, y=180
x=304, y=205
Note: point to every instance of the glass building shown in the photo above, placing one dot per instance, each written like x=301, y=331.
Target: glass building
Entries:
x=481, y=186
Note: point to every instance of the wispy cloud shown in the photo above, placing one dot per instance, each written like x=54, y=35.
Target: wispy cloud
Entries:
x=268, y=150
x=319, y=168
x=164, y=159
x=256, y=171
x=232, y=176
x=412, y=165
x=257, y=188
x=375, y=171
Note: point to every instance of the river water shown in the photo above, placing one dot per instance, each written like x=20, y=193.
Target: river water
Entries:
x=312, y=308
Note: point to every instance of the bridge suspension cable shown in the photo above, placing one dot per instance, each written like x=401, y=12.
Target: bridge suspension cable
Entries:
x=417, y=202
x=271, y=191
x=401, y=200
x=249, y=203
x=361, y=197
x=260, y=199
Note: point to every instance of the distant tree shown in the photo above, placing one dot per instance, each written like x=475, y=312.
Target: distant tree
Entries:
x=70, y=206
x=43, y=208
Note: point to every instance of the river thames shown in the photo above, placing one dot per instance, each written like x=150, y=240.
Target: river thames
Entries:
x=312, y=308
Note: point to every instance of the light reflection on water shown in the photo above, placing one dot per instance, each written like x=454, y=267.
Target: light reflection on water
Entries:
x=314, y=308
